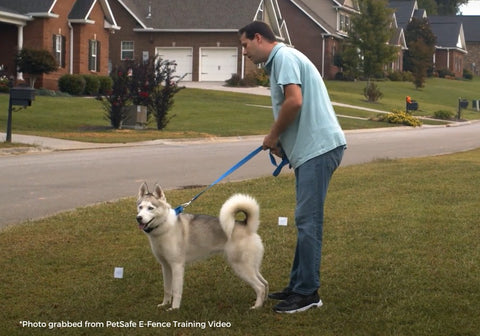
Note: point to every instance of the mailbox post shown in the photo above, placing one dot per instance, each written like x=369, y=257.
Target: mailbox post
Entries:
x=20, y=96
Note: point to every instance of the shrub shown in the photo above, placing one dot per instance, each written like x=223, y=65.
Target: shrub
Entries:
x=258, y=77
x=445, y=115
x=399, y=117
x=445, y=73
x=467, y=74
x=372, y=92
x=106, y=84
x=400, y=76
x=72, y=84
x=92, y=85
x=262, y=77
x=4, y=82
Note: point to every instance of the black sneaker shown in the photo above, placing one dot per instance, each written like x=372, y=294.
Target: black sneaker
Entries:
x=283, y=295
x=297, y=303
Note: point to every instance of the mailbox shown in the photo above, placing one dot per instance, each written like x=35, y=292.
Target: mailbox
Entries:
x=22, y=96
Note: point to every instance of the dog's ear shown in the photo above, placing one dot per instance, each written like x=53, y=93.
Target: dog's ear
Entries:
x=158, y=193
x=143, y=190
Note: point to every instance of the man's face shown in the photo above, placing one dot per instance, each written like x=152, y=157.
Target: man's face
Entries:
x=252, y=48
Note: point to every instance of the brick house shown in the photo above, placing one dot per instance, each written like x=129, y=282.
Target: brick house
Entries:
x=451, y=47
x=75, y=31
x=471, y=38
x=317, y=28
x=200, y=36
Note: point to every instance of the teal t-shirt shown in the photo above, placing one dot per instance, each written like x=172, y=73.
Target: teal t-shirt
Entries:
x=316, y=129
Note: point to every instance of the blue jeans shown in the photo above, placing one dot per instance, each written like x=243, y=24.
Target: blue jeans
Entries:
x=312, y=179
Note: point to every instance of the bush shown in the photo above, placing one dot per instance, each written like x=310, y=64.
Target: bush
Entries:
x=92, y=85
x=72, y=84
x=258, y=77
x=372, y=92
x=467, y=74
x=106, y=84
x=262, y=77
x=399, y=117
x=4, y=82
x=444, y=115
x=443, y=73
x=400, y=76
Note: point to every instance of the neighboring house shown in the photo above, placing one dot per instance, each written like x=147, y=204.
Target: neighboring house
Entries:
x=450, y=49
x=317, y=28
x=75, y=31
x=200, y=36
x=471, y=31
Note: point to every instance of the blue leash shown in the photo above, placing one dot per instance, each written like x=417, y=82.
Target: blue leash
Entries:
x=240, y=163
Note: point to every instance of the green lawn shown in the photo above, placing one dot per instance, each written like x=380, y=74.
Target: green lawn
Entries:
x=400, y=257
x=202, y=113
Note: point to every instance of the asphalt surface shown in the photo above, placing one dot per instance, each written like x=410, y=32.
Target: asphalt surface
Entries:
x=60, y=175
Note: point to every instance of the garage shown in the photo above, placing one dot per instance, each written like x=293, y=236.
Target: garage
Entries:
x=182, y=56
x=218, y=64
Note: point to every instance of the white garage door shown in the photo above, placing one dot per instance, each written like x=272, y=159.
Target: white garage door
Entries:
x=182, y=56
x=217, y=64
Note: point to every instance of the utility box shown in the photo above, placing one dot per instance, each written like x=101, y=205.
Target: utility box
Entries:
x=135, y=117
x=23, y=96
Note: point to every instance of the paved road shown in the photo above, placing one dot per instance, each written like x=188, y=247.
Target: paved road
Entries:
x=37, y=185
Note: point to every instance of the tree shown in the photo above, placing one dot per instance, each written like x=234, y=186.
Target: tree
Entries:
x=151, y=84
x=449, y=7
x=367, y=49
x=421, y=46
x=35, y=62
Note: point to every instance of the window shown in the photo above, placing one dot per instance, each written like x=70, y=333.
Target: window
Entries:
x=59, y=50
x=127, y=50
x=344, y=23
x=93, y=55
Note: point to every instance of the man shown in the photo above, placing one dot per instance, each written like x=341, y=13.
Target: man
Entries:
x=307, y=131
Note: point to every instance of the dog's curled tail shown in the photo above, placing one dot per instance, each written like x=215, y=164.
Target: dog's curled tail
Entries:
x=240, y=203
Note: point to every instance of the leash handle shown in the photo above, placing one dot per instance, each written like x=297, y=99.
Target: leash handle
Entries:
x=280, y=165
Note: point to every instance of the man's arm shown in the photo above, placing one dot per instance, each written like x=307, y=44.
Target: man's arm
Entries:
x=288, y=112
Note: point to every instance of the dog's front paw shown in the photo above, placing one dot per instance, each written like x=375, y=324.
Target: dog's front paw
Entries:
x=172, y=308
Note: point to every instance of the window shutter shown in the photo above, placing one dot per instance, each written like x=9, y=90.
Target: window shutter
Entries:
x=89, y=54
x=98, y=55
x=63, y=51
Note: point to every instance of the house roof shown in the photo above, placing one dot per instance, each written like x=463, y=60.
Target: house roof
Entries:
x=81, y=9
x=29, y=7
x=470, y=25
x=45, y=8
x=449, y=32
x=193, y=15
x=307, y=7
x=405, y=11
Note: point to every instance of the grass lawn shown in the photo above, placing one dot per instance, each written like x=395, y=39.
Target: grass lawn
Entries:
x=206, y=113
x=401, y=257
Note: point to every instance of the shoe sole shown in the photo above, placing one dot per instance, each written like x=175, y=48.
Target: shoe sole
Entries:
x=316, y=304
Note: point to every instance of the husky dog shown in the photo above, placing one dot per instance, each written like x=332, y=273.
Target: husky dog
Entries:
x=178, y=239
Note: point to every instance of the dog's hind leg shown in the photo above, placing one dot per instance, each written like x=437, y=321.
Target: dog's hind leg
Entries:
x=265, y=283
x=250, y=274
x=167, y=285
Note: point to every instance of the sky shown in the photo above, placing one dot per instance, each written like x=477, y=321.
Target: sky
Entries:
x=471, y=8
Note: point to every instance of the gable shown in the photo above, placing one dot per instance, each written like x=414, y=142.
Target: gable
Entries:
x=204, y=16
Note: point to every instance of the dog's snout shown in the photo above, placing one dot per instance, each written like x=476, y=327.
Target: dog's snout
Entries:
x=139, y=219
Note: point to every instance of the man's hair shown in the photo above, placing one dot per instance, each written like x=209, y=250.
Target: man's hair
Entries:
x=258, y=27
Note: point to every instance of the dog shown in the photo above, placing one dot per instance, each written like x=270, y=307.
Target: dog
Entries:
x=178, y=239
